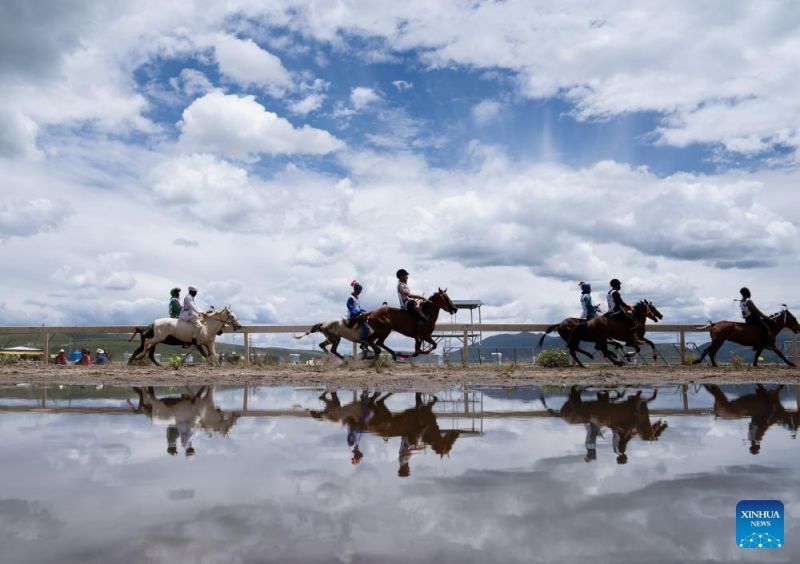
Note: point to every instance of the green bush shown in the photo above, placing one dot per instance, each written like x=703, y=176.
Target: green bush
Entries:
x=552, y=358
x=736, y=361
x=176, y=362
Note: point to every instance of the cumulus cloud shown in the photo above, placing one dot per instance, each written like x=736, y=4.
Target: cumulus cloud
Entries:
x=402, y=85
x=361, y=97
x=241, y=127
x=108, y=272
x=248, y=64
x=17, y=135
x=191, y=82
x=308, y=104
x=182, y=242
x=485, y=111
x=23, y=218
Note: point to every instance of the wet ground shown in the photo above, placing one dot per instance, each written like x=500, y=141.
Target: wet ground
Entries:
x=478, y=474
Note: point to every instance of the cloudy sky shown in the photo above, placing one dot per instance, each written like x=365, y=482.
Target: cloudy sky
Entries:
x=270, y=152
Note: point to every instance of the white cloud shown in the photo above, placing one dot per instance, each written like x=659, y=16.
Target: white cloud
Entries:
x=308, y=104
x=402, y=85
x=239, y=126
x=23, y=218
x=361, y=97
x=191, y=82
x=246, y=63
x=486, y=111
x=17, y=135
x=106, y=273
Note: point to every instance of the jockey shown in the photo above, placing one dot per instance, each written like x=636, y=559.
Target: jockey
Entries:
x=355, y=313
x=175, y=303
x=616, y=305
x=753, y=316
x=589, y=310
x=191, y=313
x=410, y=302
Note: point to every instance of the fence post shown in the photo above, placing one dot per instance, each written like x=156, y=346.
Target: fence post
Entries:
x=683, y=347
x=355, y=350
x=685, y=394
x=46, y=348
x=246, y=337
x=465, y=349
x=794, y=348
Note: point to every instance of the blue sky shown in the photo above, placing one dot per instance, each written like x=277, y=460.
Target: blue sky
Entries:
x=271, y=152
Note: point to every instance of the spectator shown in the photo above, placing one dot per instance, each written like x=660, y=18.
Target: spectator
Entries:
x=61, y=357
x=86, y=358
x=100, y=357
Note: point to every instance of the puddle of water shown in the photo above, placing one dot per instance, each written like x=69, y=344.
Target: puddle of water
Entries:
x=280, y=474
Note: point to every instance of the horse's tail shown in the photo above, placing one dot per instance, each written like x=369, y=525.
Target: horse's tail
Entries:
x=547, y=332
x=314, y=329
x=706, y=327
x=136, y=331
x=550, y=411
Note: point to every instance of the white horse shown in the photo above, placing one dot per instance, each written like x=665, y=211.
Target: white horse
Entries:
x=177, y=332
x=337, y=329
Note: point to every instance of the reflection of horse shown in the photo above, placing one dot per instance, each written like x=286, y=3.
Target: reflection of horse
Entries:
x=763, y=407
x=609, y=328
x=178, y=332
x=749, y=335
x=626, y=419
x=387, y=319
x=185, y=413
x=337, y=329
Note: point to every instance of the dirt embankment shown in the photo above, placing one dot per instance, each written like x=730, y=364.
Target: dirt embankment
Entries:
x=395, y=377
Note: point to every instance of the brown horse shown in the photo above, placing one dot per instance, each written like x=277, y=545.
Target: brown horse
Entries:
x=640, y=313
x=763, y=407
x=604, y=329
x=626, y=419
x=386, y=319
x=749, y=335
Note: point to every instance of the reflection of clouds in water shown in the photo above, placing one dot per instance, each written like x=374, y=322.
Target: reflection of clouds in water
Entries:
x=22, y=520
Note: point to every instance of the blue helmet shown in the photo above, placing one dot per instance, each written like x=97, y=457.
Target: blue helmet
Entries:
x=586, y=287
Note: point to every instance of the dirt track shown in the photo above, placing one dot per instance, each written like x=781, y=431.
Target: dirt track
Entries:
x=394, y=377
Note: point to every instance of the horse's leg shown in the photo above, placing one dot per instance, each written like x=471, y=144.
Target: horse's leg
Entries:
x=652, y=346
x=212, y=354
x=758, y=351
x=324, y=346
x=777, y=351
x=433, y=345
x=381, y=344
x=151, y=353
x=335, y=345
x=580, y=350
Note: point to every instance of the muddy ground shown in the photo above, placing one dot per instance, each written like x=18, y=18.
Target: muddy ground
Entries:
x=395, y=377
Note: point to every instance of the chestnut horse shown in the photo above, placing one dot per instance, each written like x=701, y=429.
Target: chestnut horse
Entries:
x=386, y=319
x=749, y=335
x=604, y=329
x=639, y=313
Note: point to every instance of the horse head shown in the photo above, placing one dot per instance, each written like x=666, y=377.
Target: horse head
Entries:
x=785, y=318
x=441, y=300
x=645, y=308
x=227, y=317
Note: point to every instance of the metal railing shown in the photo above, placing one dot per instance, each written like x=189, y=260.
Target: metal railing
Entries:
x=465, y=330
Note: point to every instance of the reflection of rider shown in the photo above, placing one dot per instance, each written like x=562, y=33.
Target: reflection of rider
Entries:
x=753, y=316
x=191, y=313
x=186, y=433
x=620, y=439
x=589, y=310
x=410, y=301
x=616, y=306
x=172, y=440
x=404, y=457
x=175, y=303
x=355, y=313
x=592, y=432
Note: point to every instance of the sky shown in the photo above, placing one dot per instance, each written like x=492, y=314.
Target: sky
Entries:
x=270, y=152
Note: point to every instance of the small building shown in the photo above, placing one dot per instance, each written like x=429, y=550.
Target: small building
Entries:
x=27, y=353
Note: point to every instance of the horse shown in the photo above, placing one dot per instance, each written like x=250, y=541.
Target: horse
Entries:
x=337, y=329
x=626, y=419
x=763, y=407
x=178, y=332
x=749, y=335
x=604, y=329
x=386, y=319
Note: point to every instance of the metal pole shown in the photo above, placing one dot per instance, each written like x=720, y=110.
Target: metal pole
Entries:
x=683, y=347
x=244, y=399
x=685, y=393
x=246, y=337
x=794, y=348
x=46, y=348
x=465, y=349
x=355, y=350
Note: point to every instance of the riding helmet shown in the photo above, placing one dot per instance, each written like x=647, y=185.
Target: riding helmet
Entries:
x=615, y=282
x=356, y=286
x=174, y=291
x=745, y=292
x=402, y=272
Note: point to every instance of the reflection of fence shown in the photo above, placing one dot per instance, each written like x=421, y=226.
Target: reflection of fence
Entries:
x=460, y=410
x=466, y=332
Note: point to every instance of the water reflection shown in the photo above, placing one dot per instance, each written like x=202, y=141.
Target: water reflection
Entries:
x=184, y=414
x=624, y=417
x=416, y=427
x=763, y=407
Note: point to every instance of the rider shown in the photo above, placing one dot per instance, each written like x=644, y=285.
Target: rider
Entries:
x=589, y=310
x=355, y=313
x=191, y=313
x=616, y=305
x=175, y=303
x=753, y=316
x=409, y=301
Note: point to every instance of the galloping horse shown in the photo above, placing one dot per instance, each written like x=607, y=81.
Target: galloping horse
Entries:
x=640, y=313
x=604, y=329
x=175, y=331
x=386, y=319
x=337, y=329
x=749, y=335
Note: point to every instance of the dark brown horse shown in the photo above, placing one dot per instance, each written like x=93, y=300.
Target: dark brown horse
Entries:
x=386, y=319
x=626, y=419
x=749, y=335
x=641, y=312
x=763, y=407
x=604, y=329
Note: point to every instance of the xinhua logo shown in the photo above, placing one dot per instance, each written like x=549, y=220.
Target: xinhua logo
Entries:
x=759, y=523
